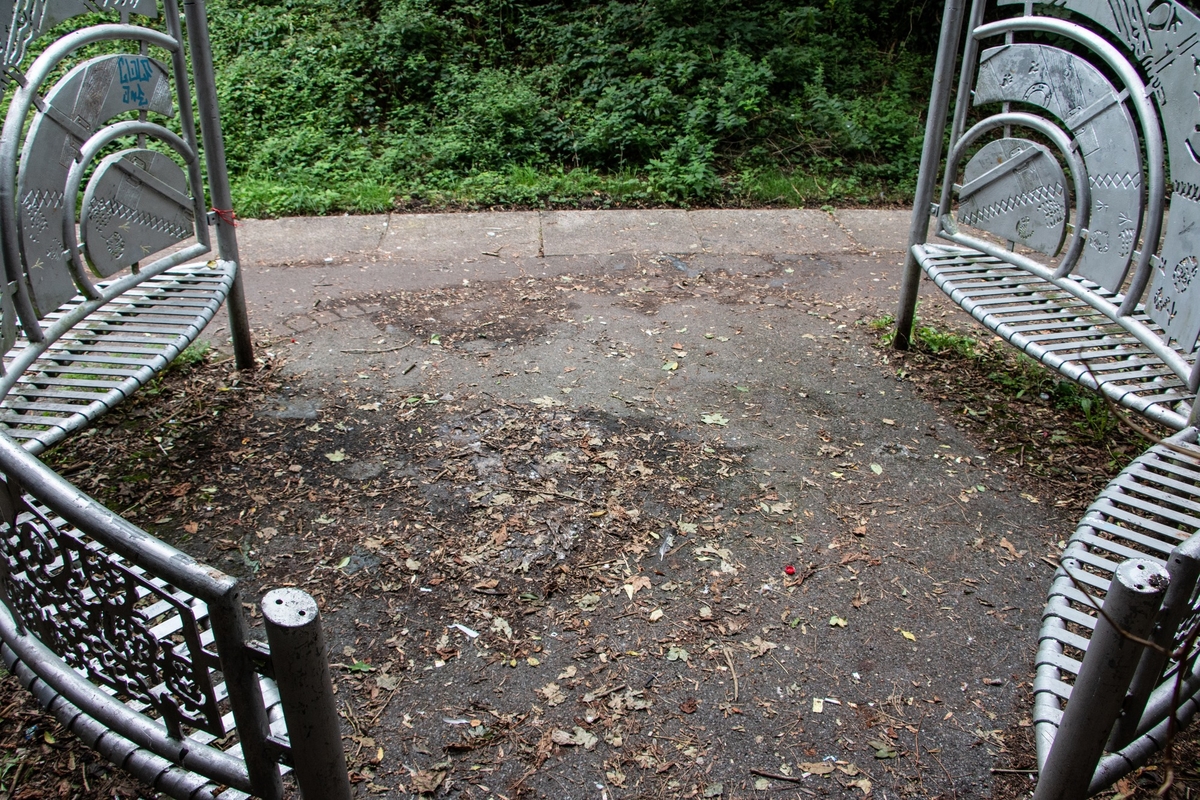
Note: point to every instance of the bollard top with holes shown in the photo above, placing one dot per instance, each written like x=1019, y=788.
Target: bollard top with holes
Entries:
x=289, y=608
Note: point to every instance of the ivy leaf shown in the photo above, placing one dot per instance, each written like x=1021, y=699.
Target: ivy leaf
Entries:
x=882, y=749
x=336, y=456
x=714, y=419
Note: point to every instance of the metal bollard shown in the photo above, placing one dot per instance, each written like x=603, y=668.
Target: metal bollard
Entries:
x=1184, y=567
x=1132, y=604
x=306, y=693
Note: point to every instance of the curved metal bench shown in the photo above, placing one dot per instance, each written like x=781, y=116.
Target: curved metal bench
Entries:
x=138, y=649
x=1057, y=234
x=145, y=654
x=1087, y=274
x=99, y=299
x=1149, y=514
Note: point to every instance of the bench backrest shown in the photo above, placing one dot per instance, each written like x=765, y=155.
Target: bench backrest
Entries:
x=1065, y=116
x=113, y=113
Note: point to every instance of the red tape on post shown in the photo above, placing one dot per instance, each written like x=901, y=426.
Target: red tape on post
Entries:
x=227, y=215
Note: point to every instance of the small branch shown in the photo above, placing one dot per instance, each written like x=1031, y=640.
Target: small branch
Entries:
x=380, y=352
x=383, y=707
x=548, y=493
x=733, y=672
x=774, y=776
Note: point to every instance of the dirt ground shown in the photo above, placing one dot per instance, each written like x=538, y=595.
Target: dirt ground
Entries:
x=675, y=527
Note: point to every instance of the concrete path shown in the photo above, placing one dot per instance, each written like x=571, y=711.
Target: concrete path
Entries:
x=296, y=267
x=734, y=335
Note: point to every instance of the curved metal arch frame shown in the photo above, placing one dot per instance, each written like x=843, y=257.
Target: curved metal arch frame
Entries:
x=1152, y=135
x=26, y=97
x=115, y=715
x=88, y=152
x=1061, y=140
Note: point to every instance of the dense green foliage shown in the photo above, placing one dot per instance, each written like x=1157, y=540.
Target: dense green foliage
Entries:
x=346, y=104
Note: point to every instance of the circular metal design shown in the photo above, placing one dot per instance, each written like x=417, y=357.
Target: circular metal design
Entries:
x=1090, y=107
x=77, y=108
x=1015, y=189
x=136, y=205
x=1183, y=274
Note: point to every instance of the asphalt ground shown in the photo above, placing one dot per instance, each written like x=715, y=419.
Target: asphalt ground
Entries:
x=709, y=381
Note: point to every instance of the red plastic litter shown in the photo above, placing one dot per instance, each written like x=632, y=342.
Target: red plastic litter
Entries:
x=789, y=569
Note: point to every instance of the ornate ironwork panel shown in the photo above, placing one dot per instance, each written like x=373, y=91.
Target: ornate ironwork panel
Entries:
x=1086, y=102
x=136, y=204
x=77, y=107
x=25, y=20
x=1016, y=189
x=97, y=613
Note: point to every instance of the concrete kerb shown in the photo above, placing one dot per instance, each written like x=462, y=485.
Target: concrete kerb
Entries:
x=295, y=267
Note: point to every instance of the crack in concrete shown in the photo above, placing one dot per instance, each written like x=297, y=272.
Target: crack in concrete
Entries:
x=699, y=236
x=844, y=228
x=387, y=225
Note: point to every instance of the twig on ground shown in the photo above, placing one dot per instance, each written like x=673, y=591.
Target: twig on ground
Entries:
x=386, y=703
x=732, y=671
x=548, y=493
x=379, y=352
x=775, y=776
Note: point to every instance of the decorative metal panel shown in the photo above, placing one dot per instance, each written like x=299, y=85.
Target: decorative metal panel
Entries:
x=25, y=20
x=1085, y=101
x=135, y=205
x=1015, y=189
x=1164, y=38
x=80, y=104
x=90, y=608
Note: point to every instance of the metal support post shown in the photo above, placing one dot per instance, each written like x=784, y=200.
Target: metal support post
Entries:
x=931, y=159
x=218, y=177
x=297, y=643
x=1129, y=612
x=1184, y=567
x=245, y=694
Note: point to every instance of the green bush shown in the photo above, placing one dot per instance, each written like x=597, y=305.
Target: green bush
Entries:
x=332, y=104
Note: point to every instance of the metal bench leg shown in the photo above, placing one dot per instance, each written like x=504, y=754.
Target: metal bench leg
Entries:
x=1132, y=605
x=301, y=669
x=218, y=178
x=931, y=158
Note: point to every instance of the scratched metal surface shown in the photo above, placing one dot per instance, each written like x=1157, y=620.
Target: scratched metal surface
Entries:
x=1091, y=108
x=78, y=107
x=1015, y=189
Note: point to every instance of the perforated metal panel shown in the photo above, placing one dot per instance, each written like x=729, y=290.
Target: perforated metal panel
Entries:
x=1016, y=190
x=1091, y=108
x=78, y=106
